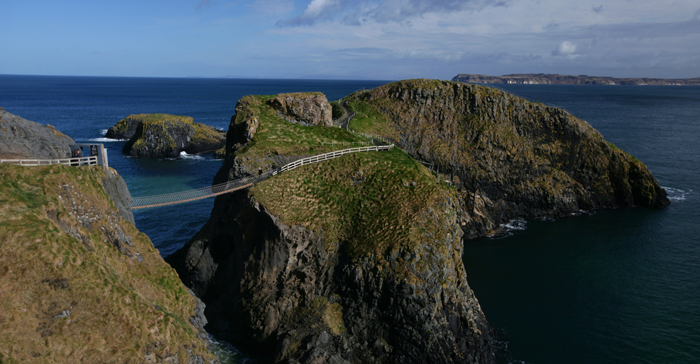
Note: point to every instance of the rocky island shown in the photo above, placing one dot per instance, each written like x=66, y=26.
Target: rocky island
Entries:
x=165, y=136
x=507, y=156
x=359, y=259
x=554, y=79
x=353, y=260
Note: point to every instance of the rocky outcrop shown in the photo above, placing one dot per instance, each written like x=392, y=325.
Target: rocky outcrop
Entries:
x=24, y=139
x=553, y=79
x=124, y=128
x=308, y=109
x=118, y=192
x=165, y=136
x=289, y=295
x=512, y=158
x=82, y=284
x=294, y=276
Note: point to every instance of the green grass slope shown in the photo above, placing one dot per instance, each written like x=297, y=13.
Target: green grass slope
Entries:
x=78, y=284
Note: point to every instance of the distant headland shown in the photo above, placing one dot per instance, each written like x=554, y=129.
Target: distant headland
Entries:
x=554, y=79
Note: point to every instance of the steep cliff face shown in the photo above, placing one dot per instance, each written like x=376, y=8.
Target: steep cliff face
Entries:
x=124, y=128
x=354, y=260
x=24, y=139
x=165, y=136
x=308, y=109
x=512, y=157
x=80, y=283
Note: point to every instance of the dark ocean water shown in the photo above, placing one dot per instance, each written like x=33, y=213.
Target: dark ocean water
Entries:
x=618, y=286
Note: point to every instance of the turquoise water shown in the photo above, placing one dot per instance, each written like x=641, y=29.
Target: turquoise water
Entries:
x=619, y=286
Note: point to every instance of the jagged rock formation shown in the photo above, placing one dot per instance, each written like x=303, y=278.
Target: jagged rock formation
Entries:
x=308, y=109
x=355, y=260
x=553, y=79
x=80, y=283
x=510, y=157
x=124, y=128
x=165, y=136
x=24, y=139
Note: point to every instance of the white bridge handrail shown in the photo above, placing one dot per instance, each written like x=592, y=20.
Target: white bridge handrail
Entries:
x=91, y=161
x=330, y=155
x=245, y=182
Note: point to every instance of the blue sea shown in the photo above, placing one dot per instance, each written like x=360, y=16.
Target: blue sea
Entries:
x=615, y=286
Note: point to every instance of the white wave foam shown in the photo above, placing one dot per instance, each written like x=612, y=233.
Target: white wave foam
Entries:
x=675, y=194
x=104, y=131
x=509, y=228
x=515, y=224
x=106, y=140
x=184, y=155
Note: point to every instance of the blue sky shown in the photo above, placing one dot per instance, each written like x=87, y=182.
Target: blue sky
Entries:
x=362, y=39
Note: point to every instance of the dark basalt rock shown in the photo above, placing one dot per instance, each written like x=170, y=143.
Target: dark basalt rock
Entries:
x=24, y=139
x=283, y=293
x=124, y=129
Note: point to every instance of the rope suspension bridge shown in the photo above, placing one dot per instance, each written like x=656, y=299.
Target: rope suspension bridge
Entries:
x=242, y=183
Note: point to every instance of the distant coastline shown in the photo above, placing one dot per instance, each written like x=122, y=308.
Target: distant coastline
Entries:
x=554, y=79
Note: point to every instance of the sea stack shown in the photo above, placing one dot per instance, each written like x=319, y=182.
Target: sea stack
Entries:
x=165, y=136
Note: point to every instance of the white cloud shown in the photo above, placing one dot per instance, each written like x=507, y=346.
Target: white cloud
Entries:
x=317, y=9
x=566, y=48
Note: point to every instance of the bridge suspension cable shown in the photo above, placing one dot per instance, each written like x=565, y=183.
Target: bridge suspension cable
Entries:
x=241, y=183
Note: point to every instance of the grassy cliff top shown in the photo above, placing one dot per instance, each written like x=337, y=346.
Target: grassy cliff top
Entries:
x=155, y=117
x=276, y=136
x=364, y=203
x=122, y=125
x=79, y=283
